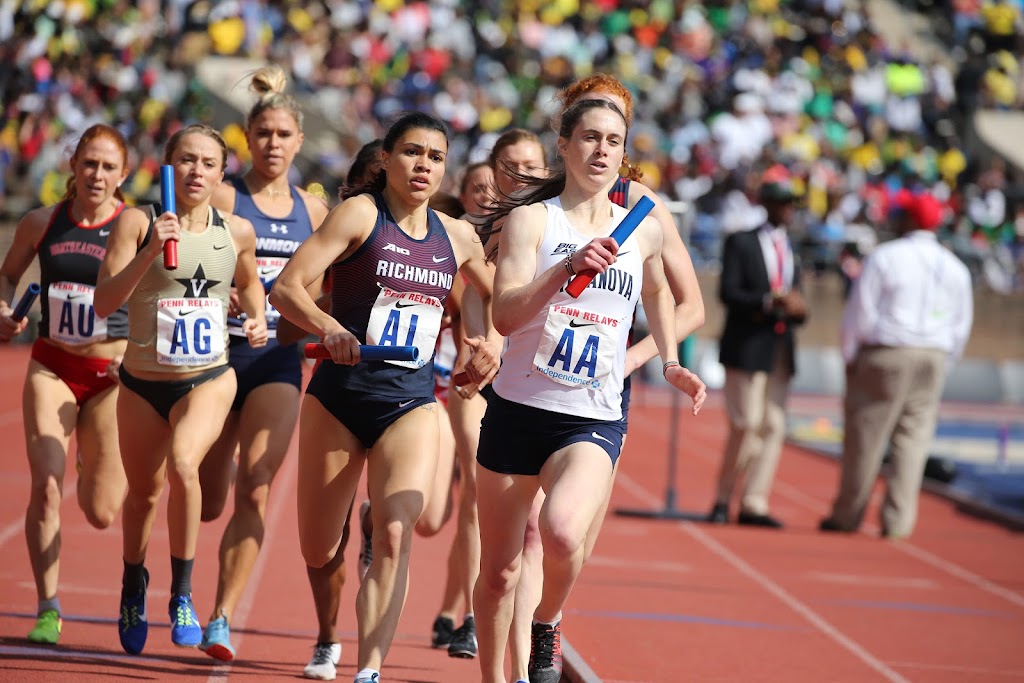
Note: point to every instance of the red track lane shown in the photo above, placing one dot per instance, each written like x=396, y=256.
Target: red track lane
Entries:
x=674, y=600
x=661, y=601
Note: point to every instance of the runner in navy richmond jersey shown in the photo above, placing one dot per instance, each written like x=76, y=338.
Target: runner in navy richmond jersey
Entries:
x=392, y=263
x=385, y=294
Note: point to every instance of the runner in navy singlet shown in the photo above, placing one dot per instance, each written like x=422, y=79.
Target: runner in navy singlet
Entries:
x=74, y=360
x=266, y=403
x=327, y=582
x=393, y=262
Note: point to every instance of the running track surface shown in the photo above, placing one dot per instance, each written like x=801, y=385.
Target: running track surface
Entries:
x=661, y=601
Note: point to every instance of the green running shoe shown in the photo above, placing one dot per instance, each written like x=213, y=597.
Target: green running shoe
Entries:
x=47, y=629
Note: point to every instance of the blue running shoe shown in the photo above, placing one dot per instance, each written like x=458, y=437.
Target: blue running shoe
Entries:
x=132, y=626
x=217, y=640
x=185, y=631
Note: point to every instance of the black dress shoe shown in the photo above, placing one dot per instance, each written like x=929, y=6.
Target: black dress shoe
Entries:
x=751, y=519
x=719, y=514
x=829, y=524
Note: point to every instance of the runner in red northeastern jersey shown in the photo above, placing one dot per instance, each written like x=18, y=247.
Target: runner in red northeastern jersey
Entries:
x=74, y=360
x=394, y=262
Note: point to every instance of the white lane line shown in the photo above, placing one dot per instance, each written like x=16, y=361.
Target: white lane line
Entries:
x=956, y=570
x=794, y=603
x=875, y=581
x=959, y=669
x=283, y=487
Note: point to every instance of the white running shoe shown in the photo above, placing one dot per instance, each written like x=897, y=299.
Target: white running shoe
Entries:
x=324, y=664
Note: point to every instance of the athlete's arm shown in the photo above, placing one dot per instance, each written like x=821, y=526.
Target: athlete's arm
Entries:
x=518, y=294
x=660, y=309
x=251, y=297
x=682, y=280
x=289, y=333
x=482, y=365
x=344, y=230
x=125, y=262
x=27, y=236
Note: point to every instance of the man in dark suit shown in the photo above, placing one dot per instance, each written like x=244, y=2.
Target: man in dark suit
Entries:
x=760, y=289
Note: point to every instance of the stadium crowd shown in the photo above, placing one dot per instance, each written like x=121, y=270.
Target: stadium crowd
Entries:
x=724, y=90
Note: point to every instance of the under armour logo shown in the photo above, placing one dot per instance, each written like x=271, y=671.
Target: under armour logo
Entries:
x=279, y=228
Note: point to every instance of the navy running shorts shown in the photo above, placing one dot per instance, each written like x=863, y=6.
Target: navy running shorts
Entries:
x=267, y=365
x=519, y=439
x=365, y=415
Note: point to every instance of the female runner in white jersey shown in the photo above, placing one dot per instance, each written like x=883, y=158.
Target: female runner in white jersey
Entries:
x=554, y=421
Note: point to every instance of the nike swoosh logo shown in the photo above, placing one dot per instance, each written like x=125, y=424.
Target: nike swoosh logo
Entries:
x=405, y=403
x=266, y=271
x=182, y=313
x=75, y=296
x=573, y=323
x=621, y=253
x=101, y=374
x=440, y=260
x=400, y=304
x=602, y=438
x=104, y=233
x=219, y=246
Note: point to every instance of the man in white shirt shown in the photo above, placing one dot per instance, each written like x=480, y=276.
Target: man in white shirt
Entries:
x=907, y=321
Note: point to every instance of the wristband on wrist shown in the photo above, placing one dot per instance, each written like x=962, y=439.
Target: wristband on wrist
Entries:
x=568, y=265
x=669, y=364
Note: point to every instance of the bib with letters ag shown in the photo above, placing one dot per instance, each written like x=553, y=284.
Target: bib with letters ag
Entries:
x=72, y=318
x=405, y=319
x=189, y=331
x=577, y=347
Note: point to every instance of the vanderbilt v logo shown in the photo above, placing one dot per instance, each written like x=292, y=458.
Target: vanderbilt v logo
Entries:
x=198, y=286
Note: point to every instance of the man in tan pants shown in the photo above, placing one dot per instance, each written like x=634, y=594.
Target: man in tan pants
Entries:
x=760, y=288
x=908, y=319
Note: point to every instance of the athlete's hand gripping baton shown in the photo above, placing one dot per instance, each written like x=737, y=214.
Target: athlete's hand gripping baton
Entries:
x=25, y=302
x=369, y=352
x=621, y=233
x=167, y=204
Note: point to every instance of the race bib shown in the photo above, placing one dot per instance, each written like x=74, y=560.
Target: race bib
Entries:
x=72, y=317
x=189, y=331
x=577, y=347
x=268, y=268
x=405, y=319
